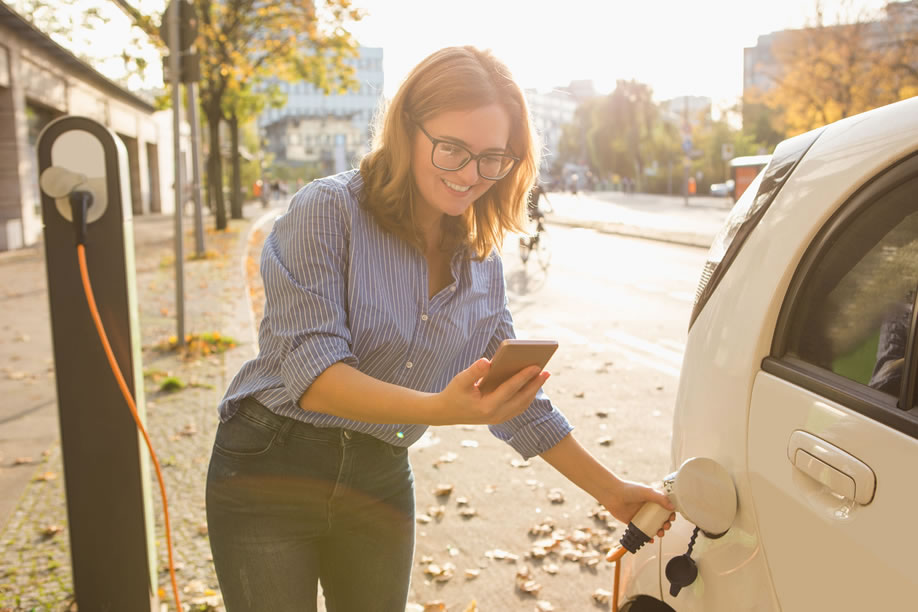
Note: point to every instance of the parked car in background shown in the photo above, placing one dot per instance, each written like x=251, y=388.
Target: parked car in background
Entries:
x=799, y=377
x=722, y=189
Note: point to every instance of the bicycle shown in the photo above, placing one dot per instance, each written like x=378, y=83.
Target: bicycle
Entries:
x=540, y=242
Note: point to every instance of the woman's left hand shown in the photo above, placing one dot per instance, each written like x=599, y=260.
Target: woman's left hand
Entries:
x=625, y=503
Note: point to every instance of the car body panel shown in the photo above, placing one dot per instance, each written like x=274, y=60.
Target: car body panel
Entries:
x=804, y=526
x=724, y=351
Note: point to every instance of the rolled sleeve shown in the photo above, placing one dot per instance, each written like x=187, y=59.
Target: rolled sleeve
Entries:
x=304, y=267
x=540, y=426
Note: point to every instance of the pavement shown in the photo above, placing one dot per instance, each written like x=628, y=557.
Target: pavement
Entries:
x=222, y=299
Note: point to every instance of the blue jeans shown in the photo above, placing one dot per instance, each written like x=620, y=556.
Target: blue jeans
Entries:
x=290, y=504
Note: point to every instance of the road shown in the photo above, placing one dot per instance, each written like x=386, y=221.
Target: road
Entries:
x=619, y=308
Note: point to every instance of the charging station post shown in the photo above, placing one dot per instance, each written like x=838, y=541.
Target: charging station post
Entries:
x=106, y=468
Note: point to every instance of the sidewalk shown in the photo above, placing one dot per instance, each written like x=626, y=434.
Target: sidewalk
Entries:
x=219, y=294
x=655, y=217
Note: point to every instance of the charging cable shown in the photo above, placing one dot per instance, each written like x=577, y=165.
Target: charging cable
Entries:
x=645, y=524
x=80, y=202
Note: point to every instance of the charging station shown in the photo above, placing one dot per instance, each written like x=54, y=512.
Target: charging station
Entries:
x=106, y=466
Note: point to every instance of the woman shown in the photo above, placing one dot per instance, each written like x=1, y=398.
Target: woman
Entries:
x=382, y=285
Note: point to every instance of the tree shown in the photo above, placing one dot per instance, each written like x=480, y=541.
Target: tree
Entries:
x=824, y=73
x=243, y=42
x=77, y=25
x=620, y=140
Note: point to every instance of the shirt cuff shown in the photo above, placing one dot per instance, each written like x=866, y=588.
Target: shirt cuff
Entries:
x=536, y=437
x=303, y=365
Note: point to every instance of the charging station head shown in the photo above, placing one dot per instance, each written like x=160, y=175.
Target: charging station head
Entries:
x=77, y=163
x=703, y=492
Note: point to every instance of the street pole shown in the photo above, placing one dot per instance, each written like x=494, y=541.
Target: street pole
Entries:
x=685, y=158
x=191, y=89
x=175, y=73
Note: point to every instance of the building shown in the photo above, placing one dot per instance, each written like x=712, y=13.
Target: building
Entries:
x=687, y=112
x=550, y=111
x=41, y=81
x=309, y=108
x=329, y=143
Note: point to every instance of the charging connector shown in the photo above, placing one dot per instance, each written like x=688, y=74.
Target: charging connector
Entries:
x=644, y=526
x=80, y=201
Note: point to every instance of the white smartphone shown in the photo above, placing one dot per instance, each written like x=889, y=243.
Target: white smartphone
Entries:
x=514, y=355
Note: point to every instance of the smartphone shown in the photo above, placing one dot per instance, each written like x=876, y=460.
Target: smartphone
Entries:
x=514, y=355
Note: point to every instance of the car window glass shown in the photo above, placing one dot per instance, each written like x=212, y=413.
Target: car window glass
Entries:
x=858, y=300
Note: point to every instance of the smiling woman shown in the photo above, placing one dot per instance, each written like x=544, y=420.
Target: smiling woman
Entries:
x=385, y=301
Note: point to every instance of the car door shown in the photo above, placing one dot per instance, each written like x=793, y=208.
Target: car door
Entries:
x=833, y=428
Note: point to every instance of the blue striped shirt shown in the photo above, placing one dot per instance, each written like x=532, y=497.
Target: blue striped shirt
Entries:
x=339, y=288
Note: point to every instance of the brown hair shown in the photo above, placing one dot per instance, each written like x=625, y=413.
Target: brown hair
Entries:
x=454, y=78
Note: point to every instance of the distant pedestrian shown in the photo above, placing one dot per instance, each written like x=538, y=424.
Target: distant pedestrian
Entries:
x=385, y=299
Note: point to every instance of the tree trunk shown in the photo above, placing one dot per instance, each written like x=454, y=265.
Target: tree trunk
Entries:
x=236, y=194
x=215, y=168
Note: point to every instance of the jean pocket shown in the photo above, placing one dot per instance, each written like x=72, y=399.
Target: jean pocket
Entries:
x=243, y=437
x=396, y=451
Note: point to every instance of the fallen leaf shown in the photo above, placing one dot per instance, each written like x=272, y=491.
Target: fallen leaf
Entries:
x=468, y=512
x=501, y=555
x=49, y=531
x=544, y=606
x=469, y=444
x=580, y=394
x=443, y=490
x=601, y=596
x=436, y=512
x=556, y=496
x=45, y=477
x=605, y=441
x=524, y=581
x=472, y=574
x=22, y=461
x=520, y=463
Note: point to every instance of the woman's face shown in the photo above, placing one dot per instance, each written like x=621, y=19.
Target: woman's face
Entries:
x=451, y=192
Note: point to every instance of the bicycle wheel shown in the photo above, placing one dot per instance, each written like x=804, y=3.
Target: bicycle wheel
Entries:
x=543, y=247
x=525, y=249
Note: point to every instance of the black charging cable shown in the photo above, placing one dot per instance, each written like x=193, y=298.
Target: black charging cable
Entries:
x=80, y=201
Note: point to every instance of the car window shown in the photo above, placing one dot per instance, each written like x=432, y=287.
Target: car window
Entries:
x=856, y=306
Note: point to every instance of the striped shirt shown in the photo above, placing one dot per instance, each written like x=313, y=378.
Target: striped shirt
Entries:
x=339, y=288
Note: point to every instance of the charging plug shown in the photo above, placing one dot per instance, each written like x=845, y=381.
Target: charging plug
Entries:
x=80, y=201
x=644, y=526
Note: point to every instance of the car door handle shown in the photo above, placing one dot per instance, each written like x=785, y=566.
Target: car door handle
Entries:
x=842, y=472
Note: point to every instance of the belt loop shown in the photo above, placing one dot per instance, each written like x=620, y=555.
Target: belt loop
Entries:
x=347, y=434
x=281, y=438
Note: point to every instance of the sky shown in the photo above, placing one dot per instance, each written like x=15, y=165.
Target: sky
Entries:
x=678, y=47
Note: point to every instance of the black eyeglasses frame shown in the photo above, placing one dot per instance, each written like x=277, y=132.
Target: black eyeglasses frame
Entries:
x=472, y=156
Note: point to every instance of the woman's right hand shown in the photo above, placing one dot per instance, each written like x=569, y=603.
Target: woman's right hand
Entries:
x=462, y=403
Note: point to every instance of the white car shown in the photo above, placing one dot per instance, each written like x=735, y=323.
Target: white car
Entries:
x=799, y=378
x=722, y=189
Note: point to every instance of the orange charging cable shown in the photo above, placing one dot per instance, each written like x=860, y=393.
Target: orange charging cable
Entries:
x=91, y=301
x=615, y=557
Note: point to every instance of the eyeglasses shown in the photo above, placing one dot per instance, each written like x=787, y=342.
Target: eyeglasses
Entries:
x=450, y=156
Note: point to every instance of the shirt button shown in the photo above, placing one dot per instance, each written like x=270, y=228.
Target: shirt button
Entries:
x=452, y=288
x=409, y=364
x=423, y=317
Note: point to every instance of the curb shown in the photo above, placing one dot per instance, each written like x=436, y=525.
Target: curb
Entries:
x=690, y=239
